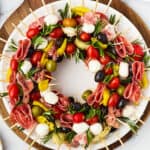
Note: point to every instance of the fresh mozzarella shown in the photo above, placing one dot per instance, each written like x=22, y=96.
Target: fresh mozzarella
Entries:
x=69, y=31
x=80, y=127
x=130, y=112
x=94, y=66
x=50, y=97
x=123, y=69
x=88, y=28
x=42, y=130
x=43, y=43
x=26, y=66
x=51, y=19
x=96, y=128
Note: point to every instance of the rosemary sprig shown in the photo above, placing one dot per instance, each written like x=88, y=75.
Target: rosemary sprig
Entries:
x=79, y=55
x=3, y=94
x=64, y=13
x=47, y=138
x=13, y=46
x=137, y=41
x=98, y=28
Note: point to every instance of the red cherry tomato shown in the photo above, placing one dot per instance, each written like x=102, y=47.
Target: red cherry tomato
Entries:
x=70, y=49
x=108, y=70
x=57, y=112
x=113, y=100
x=105, y=59
x=57, y=33
x=92, y=120
x=78, y=19
x=114, y=83
x=78, y=117
x=102, y=15
x=138, y=52
x=85, y=36
x=35, y=96
x=13, y=91
x=14, y=64
x=36, y=57
x=92, y=52
x=32, y=32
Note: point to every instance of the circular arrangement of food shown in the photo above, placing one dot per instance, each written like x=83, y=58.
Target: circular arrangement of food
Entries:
x=83, y=34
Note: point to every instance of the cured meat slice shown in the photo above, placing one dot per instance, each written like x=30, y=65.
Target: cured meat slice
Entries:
x=96, y=96
x=66, y=120
x=38, y=23
x=23, y=49
x=138, y=70
x=27, y=87
x=22, y=115
x=132, y=92
x=113, y=113
x=125, y=48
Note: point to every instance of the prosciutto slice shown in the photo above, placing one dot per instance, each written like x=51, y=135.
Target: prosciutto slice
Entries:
x=132, y=92
x=66, y=120
x=23, y=49
x=113, y=113
x=22, y=115
x=138, y=70
x=125, y=48
x=96, y=96
x=27, y=87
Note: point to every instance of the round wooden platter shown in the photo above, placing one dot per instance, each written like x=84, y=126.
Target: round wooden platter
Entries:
x=23, y=11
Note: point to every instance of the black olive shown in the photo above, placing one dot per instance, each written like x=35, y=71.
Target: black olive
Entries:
x=122, y=103
x=64, y=129
x=112, y=50
x=99, y=76
x=49, y=118
x=102, y=37
x=59, y=42
x=104, y=110
x=86, y=107
x=30, y=51
x=130, y=69
x=76, y=106
x=71, y=99
x=113, y=129
x=59, y=59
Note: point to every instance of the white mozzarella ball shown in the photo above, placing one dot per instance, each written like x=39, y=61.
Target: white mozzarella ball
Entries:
x=96, y=128
x=88, y=28
x=129, y=111
x=80, y=127
x=26, y=66
x=50, y=97
x=69, y=31
x=123, y=69
x=94, y=66
x=43, y=44
x=51, y=19
x=42, y=130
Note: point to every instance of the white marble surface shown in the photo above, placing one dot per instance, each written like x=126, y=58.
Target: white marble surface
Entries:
x=138, y=142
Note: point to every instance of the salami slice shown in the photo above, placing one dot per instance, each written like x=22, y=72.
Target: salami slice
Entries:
x=137, y=70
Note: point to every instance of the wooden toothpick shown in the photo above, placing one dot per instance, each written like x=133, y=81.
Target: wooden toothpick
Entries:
x=30, y=133
x=96, y=4
x=105, y=144
x=6, y=118
x=44, y=4
x=119, y=139
x=107, y=7
x=50, y=77
x=83, y=3
x=13, y=126
x=19, y=30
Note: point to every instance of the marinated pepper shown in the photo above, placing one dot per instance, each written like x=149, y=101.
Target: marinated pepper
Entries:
x=37, y=103
x=60, y=51
x=49, y=46
x=106, y=95
x=80, y=10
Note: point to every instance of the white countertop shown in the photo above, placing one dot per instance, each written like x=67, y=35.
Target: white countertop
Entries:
x=138, y=142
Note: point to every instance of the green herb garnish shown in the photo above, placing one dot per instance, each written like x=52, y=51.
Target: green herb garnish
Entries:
x=111, y=55
x=13, y=46
x=137, y=41
x=89, y=136
x=32, y=72
x=108, y=78
x=38, y=40
x=64, y=12
x=69, y=136
x=133, y=126
x=98, y=28
x=47, y=138
x=79, y=55
x=146, y=59
x=112, y=19
x=3, y=94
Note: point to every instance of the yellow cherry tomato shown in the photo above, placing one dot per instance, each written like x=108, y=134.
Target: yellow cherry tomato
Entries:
x=69, y=22
x=9, y=72
x=43, y=85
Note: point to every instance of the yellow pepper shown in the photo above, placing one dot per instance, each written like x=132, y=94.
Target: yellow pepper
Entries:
x=37, y=103
x=44, y=59
x=9, y=72
x=145, y=81
x=41, y=119
x=102, y=45
x=60, y=51
x=80, y=10
x=43, y=85
x=106, y=95
x=51, y=126
x=49, y=46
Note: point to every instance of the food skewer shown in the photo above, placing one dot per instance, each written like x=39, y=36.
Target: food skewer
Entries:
x=96, y=4
x=44, y=4
x=83, y=3
x=30, y=133
x=13, y=126
x=105, y=144
x=6, y=118
x=18, y=29
x=107, y=7
x=119, y=139
x=50, y=77
x=24, y=24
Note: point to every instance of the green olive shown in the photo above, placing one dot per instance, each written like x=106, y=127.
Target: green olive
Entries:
x=115, y=69
x=36, y=111
x=120, y=90
x=86, y=94
x=51, y=65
